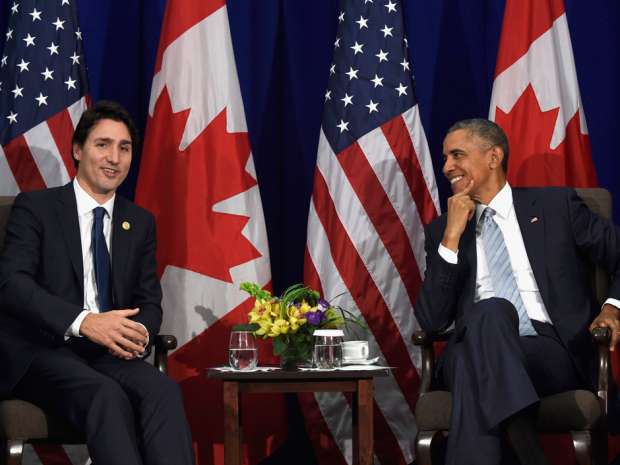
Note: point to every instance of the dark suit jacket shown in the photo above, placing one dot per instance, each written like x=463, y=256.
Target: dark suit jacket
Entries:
x=41, y=275
x=561, y=245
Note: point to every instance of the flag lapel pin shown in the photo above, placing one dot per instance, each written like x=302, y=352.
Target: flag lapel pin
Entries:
x=126, y=226
x=534, y=219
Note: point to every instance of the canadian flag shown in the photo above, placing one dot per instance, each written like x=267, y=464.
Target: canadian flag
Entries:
x=536, y=98
x=197, y=177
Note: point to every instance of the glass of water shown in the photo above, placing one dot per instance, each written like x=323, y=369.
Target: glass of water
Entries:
x=328, y=348
x=242, y=352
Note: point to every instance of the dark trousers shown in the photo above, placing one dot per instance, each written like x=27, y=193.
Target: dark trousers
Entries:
x=130, y=413
x=494, y=373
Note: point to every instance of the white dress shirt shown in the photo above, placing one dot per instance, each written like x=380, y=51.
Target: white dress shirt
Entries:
x=506, y=219
x=85, y=206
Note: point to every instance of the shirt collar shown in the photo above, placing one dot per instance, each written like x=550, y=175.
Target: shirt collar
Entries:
x=86, y=204
x=501, y=203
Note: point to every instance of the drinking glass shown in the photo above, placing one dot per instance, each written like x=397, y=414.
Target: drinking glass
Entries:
x=242, y=352
x=328, y=348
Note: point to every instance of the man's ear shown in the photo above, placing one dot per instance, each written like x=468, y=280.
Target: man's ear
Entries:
x=76, y=152
x=497, y=156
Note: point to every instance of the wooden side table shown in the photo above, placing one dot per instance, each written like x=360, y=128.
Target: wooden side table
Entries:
x=357, y=381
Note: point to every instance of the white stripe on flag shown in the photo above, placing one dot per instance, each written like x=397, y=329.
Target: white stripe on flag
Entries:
x=76, y=109
x=387, y=394
x=46, y=155
x=8, y=185
x=385, y=166
x=367, y=242
x=418, y=138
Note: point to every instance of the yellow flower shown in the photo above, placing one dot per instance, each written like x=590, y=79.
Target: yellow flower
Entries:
x=280, y=326
x=305, y=307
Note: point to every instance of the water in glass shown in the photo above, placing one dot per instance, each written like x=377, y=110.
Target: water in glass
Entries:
x=327, y=349
x=242, y=352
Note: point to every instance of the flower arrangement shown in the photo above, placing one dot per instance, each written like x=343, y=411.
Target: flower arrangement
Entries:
x=291, y=319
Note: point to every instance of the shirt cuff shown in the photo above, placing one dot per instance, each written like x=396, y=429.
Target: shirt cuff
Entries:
x=74, y=329
x=448, y=255
x=614, y=302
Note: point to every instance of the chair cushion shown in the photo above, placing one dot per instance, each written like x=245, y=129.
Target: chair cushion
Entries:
x=25, y=421
x=566, y=411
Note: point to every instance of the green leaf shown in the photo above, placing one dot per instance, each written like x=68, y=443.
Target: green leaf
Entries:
x=246, y=327
x=279, y=346
x=255, y=290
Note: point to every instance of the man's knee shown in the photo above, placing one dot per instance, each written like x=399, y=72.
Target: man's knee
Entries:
x=492, y=313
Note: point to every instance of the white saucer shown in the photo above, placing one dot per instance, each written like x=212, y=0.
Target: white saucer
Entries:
x=360, y=361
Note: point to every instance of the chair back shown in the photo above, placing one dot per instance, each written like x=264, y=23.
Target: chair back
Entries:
x=6, y=203
x=599, y=201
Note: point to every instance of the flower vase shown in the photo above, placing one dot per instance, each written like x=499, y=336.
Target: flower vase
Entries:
x=291, y=359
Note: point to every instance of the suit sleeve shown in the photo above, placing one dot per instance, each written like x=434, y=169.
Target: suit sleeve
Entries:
x=598, y=238
x=436, y=304
x=22, y=297
x=147, y=292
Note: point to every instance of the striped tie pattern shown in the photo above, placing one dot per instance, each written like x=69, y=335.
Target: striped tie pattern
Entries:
x=500, y=269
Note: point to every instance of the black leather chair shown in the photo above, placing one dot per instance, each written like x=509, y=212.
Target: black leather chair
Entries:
x=581, y=413
x=22, y=422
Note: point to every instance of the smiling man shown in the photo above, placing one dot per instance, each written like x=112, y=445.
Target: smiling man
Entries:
x=507, y=267
x=80, y=302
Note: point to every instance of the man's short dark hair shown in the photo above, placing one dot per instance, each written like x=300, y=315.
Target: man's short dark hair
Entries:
x=488, y=131
x=103, y=109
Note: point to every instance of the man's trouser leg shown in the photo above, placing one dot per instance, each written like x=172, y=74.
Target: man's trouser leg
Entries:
x=129, y=412
x=494, y=373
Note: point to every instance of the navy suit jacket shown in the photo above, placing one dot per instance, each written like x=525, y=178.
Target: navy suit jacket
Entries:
x=561, y=244
x=41, y=274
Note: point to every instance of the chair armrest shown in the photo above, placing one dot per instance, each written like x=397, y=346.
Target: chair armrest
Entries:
x=602, y=336
x=163, y=344
x=425, y=341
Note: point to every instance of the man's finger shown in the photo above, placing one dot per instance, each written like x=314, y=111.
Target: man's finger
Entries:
x=465, y=192
x=128, y=345
x=119, y=351
x=133, y=335
x=127, y=312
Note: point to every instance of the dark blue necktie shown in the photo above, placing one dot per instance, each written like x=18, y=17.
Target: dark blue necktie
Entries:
x=101, y=261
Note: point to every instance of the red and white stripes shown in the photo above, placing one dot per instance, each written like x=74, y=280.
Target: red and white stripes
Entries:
x=41, y=157
x=366, y=242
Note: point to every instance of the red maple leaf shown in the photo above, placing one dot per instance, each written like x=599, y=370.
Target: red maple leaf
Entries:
x=181, y=187
x=532, y=162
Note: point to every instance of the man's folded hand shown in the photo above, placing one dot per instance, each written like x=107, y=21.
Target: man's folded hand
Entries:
x=113, y=329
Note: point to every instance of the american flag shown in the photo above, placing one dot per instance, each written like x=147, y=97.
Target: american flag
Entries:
x=42, y=94
x=374, y=190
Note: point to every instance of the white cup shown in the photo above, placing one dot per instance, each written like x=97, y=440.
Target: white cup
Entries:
x=355, y=350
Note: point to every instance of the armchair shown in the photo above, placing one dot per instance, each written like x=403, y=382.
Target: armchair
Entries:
x=581, y=413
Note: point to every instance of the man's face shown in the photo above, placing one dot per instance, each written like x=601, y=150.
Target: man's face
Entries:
x=104, y=158
x=468, y=157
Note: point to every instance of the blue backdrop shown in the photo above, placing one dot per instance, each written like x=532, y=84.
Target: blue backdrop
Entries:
x=283, y=51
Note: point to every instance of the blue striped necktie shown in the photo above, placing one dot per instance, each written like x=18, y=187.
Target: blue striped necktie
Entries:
x=101, y=261
x=500, y=269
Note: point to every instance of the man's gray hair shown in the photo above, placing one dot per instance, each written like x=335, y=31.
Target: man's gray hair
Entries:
x=488, y=131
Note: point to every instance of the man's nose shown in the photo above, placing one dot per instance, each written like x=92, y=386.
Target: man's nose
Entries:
x=447, y=166
x=114, y=155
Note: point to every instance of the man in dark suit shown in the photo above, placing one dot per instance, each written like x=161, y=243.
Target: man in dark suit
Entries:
x=80, y=304
x=508, y=268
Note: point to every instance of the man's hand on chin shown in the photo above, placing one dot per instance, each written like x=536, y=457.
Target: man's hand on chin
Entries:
x=124, y=338
x=609, y=318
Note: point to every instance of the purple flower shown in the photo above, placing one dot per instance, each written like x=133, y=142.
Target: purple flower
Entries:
x=323, y=305
x=314, y=318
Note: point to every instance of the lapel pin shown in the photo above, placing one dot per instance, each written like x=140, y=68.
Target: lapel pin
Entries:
x=126, y=226
x=534, y=219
